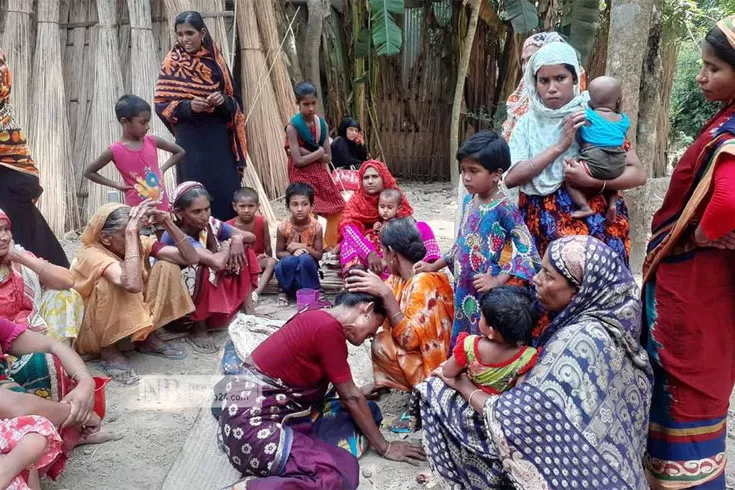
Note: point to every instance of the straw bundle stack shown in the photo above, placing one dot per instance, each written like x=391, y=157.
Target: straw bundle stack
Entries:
x=16, y=43
x=49, y=128
x=144, y=65
x=251, y=179
x=264, y=125
x=268, y=27
x=216, y=25
x=102, y=126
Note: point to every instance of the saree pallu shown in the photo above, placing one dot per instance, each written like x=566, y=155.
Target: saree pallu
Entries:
x=356, y=247
x=12, y=431
x=287, y=436
x=43, y=375
x=688, y=324
x=550, y=217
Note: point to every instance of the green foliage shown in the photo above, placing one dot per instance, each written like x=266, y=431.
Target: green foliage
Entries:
x=387, y=36
x=579, y=23
x=362, y=44
x=521, y=14
x=689, y=108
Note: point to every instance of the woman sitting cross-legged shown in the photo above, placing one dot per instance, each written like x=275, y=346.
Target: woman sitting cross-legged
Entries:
x=48, y=393
x=124, y=296
x=580, y=417
x=275, y=435
x=226, y=272
x=35, y=292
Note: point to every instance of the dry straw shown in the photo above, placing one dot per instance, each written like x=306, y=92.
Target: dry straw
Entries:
x=49, y=128
x=264, y=125
x=17, y=44
x=277, y=61
x=144, y=67
x=102, y=126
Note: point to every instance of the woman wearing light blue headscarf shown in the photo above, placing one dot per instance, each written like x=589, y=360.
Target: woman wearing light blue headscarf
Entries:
x=543, y=147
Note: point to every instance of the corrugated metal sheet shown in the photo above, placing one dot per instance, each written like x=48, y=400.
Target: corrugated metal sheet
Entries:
x=413, y=38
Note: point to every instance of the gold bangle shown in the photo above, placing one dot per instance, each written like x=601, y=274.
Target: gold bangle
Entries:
x=132, y=257
x=181, y=241
x=469, y=400
x=604, y=183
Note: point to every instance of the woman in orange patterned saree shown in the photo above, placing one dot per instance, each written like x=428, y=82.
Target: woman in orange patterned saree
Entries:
x=415, y=336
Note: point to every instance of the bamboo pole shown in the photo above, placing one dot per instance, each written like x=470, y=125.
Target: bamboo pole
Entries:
x=49, y=128
x=102, y=126
x=17, y=45
x=144, y=64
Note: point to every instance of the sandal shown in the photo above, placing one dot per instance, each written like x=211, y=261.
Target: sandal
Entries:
x=166, y=351
x=405, y=424
x=201, y=349
x=119, y=372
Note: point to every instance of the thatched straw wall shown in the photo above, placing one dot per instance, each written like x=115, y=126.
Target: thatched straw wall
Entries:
x=18, y=40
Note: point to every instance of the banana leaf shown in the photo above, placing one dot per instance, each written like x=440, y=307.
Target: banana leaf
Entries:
x=579, y=23
x=521, y=14
x=387, y=36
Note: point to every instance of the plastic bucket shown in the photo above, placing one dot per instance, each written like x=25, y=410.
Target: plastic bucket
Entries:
x=100, y=401
x=305, y=297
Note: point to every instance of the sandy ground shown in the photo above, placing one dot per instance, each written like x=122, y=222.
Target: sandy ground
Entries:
x=154, y=430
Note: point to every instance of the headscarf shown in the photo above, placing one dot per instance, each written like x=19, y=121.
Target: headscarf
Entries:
x=607, y=293
x=4, y=216
x=727, y=26
x=542, y=126
x=347, y=123
x=208, y=236
x=517, y=104
x=91, y=235
x=310, y=142
x=182, y=189
x=361, y=210
x=184, y=76
x=14, y=151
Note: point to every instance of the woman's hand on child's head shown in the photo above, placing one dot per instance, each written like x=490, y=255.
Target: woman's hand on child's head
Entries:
x=576, y=176
x=484, y=282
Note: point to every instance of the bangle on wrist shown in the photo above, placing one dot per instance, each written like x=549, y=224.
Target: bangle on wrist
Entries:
x=387, y=450
x=469, y=400
x=604, y=184
x=530, y=164
x=395, y=315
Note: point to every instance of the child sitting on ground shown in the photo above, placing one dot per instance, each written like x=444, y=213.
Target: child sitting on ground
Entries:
x=493, y=245
x=135, y=156
x=299, y=243
x=498, y=359
x=601, y=143
x=246, y=204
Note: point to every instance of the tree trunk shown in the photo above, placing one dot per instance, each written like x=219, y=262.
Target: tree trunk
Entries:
x=630, y=22
x=650, y=94
x=317, y=12
x=464, y=63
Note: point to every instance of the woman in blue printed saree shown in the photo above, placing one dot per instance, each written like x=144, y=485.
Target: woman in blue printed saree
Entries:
x=579, y=418
x=689, y=288
x=276, y=421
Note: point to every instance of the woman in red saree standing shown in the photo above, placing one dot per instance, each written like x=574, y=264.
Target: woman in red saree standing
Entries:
x=689, y=292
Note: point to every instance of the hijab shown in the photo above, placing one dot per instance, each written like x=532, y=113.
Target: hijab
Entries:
x=361, y=210
x=184, y=76
x=542, y=126
x=15, y=153
x=517, y=104
x=727, y=26
x=607, y=293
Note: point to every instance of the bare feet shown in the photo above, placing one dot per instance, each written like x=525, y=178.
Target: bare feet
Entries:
x=100, y=437
x=200, y=339
x=248, y=306
x=117, y=366
x=583, y=213
x=282, y=300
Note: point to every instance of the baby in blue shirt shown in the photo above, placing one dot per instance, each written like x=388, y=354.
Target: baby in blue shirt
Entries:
x=601, y=142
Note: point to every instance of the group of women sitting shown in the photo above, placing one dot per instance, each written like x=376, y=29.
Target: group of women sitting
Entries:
x=625, y=393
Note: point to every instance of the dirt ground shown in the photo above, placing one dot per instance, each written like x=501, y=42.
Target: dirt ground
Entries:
x=154, y=431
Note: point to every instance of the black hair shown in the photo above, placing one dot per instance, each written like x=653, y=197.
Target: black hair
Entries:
x=487, y=148
x=187, y=198
x=196, y=20
x=299, y=189
x=721, y=46
x=347, y=122
x=571, y=70
x=510, y=310
x=129, y=106
x=245, y=193
x=346, y=298
x=402, y=236
x=392, y=194
x=304, y=89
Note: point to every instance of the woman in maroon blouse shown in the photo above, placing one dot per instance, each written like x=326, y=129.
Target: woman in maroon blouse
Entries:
x=277, y=422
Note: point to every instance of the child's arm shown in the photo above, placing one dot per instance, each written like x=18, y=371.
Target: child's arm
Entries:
x=318, y=249
x=422, y=266
x=485, y=282
x=267, y=248
x=281, y=251
x=91, y=172
x=177, y=153
x=327, y=147
x=451, y=368
x=300, y=160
